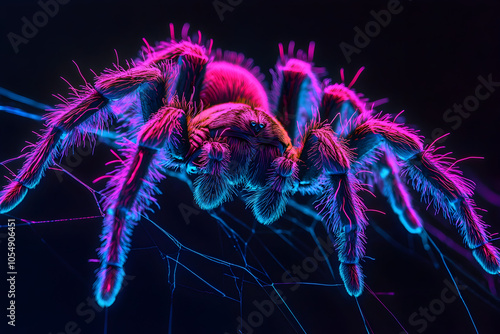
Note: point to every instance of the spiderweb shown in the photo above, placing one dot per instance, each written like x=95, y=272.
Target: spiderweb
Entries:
x=192, y=271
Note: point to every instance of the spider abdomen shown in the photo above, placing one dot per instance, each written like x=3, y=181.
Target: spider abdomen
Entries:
x=226, y=82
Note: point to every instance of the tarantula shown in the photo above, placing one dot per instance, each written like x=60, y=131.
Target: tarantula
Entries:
x=184, y=106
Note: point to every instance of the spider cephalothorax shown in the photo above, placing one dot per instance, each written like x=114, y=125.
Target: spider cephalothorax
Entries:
x=306, y=135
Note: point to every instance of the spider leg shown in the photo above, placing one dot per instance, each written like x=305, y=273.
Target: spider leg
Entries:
x=191, y=59
x=295, y=98
x=435, y=177
x=340, y=107
x=319, y=141
x=343, y=108
x=344, y=212
x=342, y=208
x=130, y=191
x=296, y=90
x=70, y=121
x=121, y=216
x=390, y=184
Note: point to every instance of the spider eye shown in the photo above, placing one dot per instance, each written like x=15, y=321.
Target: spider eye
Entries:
x=262, y=125
x=253, y=124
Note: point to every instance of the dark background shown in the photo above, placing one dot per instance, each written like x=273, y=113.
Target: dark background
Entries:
x=428, y=58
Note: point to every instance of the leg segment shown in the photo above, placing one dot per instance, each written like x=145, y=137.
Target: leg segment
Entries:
x=320, y=149
x=130, y=191
x=123, y=211
x=341, y=106
x=191, y=58
x=241, y=152
x=343, y=211
x=388, y=180
x=88, y=109
x=434, y=176
x=296, y=90
x=440, y=181
x=192, y=68
x=340, y=204
x=46, y=149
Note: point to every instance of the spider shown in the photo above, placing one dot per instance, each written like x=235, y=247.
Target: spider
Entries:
x=184, y=106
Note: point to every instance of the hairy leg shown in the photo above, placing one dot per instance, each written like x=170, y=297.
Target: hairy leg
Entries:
x=326, y=160
x=344, y=212
x=435, y=176
x=296, y=90
x=130, y=191
x=70, y=121
x=191, y=59
x=390, y=184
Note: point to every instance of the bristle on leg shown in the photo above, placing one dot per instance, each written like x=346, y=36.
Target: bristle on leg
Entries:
x=488, y=257
x=11, y=196
x=212, y=187
x=352, y=276
x=269, y=202
x=108, y=284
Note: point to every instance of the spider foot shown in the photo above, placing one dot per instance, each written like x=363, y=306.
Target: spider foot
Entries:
x=352, y=276
x=488, y=257
x=108, y=284
x=11, y=196
x=410, y=220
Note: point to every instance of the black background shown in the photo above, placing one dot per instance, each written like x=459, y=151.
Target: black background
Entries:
x=428, y=58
